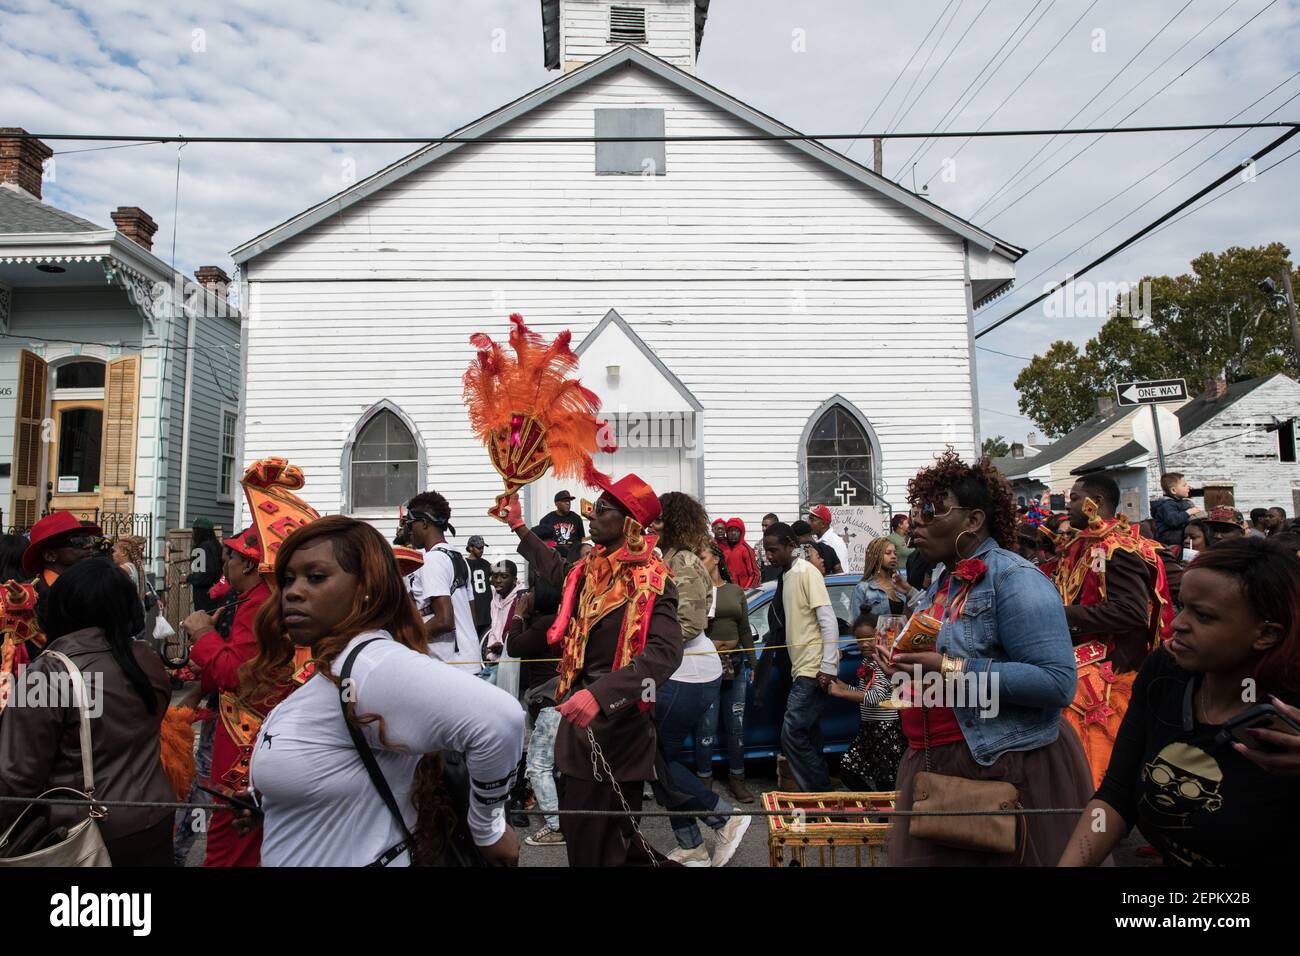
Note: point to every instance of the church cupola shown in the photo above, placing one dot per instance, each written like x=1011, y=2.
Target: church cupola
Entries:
x=578, y=31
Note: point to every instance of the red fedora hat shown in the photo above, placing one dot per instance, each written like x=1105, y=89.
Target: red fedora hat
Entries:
x=246, y=544
x=638, y=498
x=47, y=531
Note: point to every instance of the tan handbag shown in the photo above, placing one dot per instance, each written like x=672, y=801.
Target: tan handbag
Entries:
x=83, y=846
x=994, y=833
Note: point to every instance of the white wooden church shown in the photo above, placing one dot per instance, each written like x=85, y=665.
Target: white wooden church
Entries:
x=769, y=322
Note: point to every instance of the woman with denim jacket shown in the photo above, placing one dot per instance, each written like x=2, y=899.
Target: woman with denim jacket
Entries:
x=882, y=589
x=1003, y=663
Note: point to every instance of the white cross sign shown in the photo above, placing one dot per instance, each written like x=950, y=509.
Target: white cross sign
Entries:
x=846, y=493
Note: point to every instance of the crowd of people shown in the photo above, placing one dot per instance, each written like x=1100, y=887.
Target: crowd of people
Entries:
x=347, y=700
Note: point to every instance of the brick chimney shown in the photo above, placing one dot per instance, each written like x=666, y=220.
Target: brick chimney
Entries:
x=1105, y=405
x=136, y=224
x=22, y=161
x=1215, y=388
x=1017, y=450
x=214, y=279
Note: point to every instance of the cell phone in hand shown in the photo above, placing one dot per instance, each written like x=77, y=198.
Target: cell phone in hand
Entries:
x=230, y=798
x=1263, y=717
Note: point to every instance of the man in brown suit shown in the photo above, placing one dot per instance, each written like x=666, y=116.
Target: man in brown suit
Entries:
x=618, y=630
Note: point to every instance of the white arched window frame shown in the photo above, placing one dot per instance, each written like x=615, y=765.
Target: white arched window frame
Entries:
x=349, y=503
x=831, y=450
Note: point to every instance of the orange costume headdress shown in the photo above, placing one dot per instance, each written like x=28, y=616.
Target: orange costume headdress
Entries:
x=530, y=413
x=17, y=626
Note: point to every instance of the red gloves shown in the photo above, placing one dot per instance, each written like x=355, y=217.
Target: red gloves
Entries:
x=581, y=708
x=514, y=514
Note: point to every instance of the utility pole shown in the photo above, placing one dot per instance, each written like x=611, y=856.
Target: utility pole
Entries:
x=1160, y=445
x=1290, y=311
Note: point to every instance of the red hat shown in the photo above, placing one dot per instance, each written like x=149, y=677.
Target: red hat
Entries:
x=409, y=560
x=45, y=533
x=821, y=511
x=638, y=498
x=718, y=521
x=245, y=544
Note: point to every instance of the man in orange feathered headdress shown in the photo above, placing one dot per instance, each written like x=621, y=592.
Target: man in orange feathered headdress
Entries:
x=620, y=638
x=1117, y=605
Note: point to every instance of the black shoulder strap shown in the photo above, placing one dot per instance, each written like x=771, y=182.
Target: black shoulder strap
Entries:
x=459, y=568
x=371, y=764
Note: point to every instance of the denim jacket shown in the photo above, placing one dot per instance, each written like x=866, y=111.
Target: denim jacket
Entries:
x=869, y=596
x=1013, y=625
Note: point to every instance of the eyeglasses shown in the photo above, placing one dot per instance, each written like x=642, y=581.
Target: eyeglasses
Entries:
x=926, y=512
x=80, y=541
x=600, y=507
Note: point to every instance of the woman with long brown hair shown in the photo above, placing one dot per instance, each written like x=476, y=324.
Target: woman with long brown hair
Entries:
x=882, y=589
x=338, y=591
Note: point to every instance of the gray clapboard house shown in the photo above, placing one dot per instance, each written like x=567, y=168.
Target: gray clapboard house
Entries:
x=119, y=377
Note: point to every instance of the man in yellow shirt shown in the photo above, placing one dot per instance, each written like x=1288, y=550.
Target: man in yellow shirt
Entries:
x=802, y=611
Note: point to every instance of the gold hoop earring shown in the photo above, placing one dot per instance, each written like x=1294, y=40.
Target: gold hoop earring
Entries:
x=956, y=545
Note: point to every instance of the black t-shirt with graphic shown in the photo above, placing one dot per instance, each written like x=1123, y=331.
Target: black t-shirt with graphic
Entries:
x=480, y=593
x=1199, y=802
x=568, y=531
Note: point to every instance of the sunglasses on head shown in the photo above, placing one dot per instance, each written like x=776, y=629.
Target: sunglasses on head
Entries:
x=411, y=517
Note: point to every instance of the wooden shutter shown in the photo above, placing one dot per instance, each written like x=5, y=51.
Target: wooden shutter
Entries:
x=121, y=415
x=28, y=446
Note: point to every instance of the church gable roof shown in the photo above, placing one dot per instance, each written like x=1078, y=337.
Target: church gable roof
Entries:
x=624, y=57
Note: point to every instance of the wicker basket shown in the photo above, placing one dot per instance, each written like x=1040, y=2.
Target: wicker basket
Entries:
x=811, y=820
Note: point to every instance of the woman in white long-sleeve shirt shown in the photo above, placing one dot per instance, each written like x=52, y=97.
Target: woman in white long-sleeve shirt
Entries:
x=339, y=589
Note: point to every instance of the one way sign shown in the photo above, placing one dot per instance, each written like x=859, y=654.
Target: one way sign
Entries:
x=1152, y=393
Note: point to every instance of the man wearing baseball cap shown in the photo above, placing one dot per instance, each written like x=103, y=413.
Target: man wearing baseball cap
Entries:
x=480, y=575
x=618, y=632
x=567, y=525
x=819, y=516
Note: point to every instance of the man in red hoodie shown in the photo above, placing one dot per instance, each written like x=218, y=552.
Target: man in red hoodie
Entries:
x=740, y=556
x=218, y=662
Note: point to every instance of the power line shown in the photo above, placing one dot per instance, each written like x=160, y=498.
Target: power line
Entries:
x=1029, y=282
x=1014, y=176
x=1023, y=358
x=1116, y=250
x=929, y=56
x=903, y=70
x=691, y=138
x=1102, y=112
x=1198, y=60
x=1041, y=60
x=994, y=411
x=1226, y=192
x=935, y=75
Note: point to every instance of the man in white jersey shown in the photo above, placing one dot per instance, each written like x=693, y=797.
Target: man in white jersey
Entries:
x=441, y=588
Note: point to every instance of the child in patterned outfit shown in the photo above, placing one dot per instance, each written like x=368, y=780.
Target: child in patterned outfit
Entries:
x=871, y=762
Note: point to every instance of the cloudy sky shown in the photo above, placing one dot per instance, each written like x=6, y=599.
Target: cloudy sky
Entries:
x=388, y=68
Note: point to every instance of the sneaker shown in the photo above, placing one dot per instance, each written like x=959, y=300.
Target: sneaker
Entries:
x=695, y=856
x=729, y=838
x=546, y=837
x=736, y=785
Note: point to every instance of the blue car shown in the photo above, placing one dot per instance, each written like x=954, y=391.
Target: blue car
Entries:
x=763, y=721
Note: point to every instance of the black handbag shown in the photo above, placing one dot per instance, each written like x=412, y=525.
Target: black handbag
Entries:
x=458, y=847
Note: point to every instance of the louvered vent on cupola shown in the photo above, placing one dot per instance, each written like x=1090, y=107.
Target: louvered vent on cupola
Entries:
x=626, y=24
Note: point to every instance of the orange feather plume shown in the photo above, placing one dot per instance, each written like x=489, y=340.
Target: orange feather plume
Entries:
x=530, y=412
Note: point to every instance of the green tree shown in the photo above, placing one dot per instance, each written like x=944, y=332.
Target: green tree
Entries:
x=995, y=447
x=1210, y=322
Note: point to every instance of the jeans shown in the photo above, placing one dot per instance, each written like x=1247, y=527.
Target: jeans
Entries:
x=540, y=765
x=729, y=705
x=185, y=834
x=678, y=710
x=801, y=735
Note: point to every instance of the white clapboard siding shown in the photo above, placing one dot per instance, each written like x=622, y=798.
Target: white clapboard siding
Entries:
x=753, y=211
x=669, y=28
x=765, y=281
x=1241, y=454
